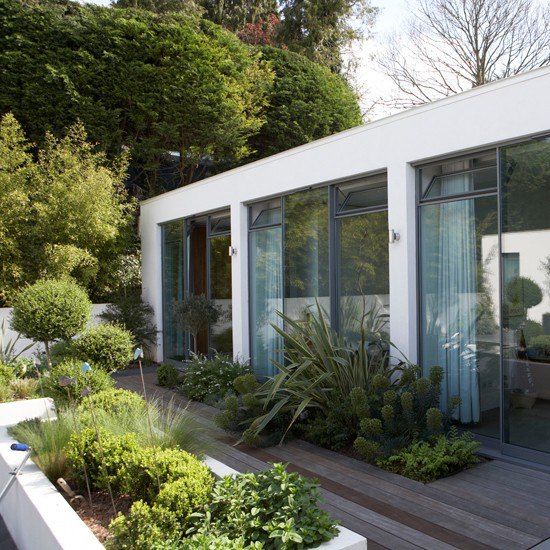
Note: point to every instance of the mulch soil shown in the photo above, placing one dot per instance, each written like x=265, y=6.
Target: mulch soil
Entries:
x=98, y=516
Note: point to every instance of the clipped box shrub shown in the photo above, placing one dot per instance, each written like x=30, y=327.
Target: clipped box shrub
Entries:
x=135, y=470
x=167, y=375
x=113, y=401
x=97, y=380
x=145, y=527
x=107, y=347
x=111, y=464
x=50, y=310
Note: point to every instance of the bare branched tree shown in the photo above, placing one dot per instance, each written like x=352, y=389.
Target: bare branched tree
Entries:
x=449, y=46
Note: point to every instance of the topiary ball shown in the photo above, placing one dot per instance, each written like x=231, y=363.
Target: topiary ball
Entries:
x=107, y=347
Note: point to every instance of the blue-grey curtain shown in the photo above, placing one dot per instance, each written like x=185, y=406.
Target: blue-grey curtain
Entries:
x=266, y=294
x=456, y=300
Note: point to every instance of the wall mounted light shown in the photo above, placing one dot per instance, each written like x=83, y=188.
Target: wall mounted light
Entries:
x=394, y=237
x=232, y=251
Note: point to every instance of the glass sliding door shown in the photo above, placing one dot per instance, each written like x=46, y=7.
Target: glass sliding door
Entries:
x=266, y=285
x=172, y=287
x=362, y=257
x=221, y=334
x=459, y=286
x=306, y=251
x=525, y=184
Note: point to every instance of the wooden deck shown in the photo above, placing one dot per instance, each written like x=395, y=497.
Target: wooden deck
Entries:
x=494, y=505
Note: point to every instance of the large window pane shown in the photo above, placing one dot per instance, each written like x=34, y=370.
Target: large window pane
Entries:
x=363, y=272
x=459, y=300
x=525, y=170
x=306, y=251
x=172, y=284
x=266, y=298
x=221, y=334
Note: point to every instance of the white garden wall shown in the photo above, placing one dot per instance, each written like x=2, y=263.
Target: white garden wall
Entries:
x=35, y=513
x=5, y=315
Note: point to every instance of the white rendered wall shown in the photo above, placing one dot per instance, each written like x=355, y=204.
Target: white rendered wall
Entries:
x=486, y=116
x=9, y=334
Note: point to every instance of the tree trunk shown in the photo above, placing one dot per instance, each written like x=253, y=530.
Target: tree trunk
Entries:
x=48, y=355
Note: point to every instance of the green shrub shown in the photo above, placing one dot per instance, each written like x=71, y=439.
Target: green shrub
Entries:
x=143, y=528
x=112, y=401
x=319, y=367
x=23, y=367
x=7, y=374
x=110, y=464
x=391, y=418
x=6, y=394
x=212, y=378
x=167, y=375
x=276, y=508
x=107, y=347
x=429, y=460
x=208, y=541
x=531, y=329
x=542, y=343
x=97, y=380
x=62, y=350
x=51, y=310
x=241, y=408
x=147, y=526
x=134, y=470
x=337, y=430
x=135, y=315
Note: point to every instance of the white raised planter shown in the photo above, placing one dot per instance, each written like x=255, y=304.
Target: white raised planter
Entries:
x=35, y=513
x=346, y=539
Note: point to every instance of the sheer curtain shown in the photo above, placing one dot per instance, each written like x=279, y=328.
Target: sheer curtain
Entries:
x=456, y=299
x=266, y=293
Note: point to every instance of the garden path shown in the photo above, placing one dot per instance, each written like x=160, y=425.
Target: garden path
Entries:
x=494, y=505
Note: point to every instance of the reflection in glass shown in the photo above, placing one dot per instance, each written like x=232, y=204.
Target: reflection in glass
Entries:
x=525, y=170
x=368, y=192
x=221, y=334
x=363, y=271
x=172, y=284
x=459, y=297
x=266, y=298
x=306, y=251
x=457, y=176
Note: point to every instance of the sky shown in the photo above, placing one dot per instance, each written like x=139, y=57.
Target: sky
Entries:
x=370, y=82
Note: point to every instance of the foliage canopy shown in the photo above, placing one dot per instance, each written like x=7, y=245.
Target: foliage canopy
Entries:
x=64, y=211
x=181, y=93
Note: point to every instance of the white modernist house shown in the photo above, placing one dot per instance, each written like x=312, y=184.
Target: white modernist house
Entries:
x=437, y=219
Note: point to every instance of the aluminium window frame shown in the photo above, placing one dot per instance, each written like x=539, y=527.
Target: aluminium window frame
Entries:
x=334, y=249
x=496, y=445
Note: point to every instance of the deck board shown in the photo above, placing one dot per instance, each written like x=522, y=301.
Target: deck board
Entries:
x=495, y=505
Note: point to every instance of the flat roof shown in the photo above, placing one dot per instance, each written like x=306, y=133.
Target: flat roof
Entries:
x=366, y=127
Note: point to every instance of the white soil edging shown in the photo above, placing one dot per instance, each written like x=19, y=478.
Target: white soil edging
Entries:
x=346, y=539
x=35, y=513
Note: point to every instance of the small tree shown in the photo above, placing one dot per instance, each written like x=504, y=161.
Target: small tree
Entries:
x=131, y=312
x=194, y=314
x=51, y=310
